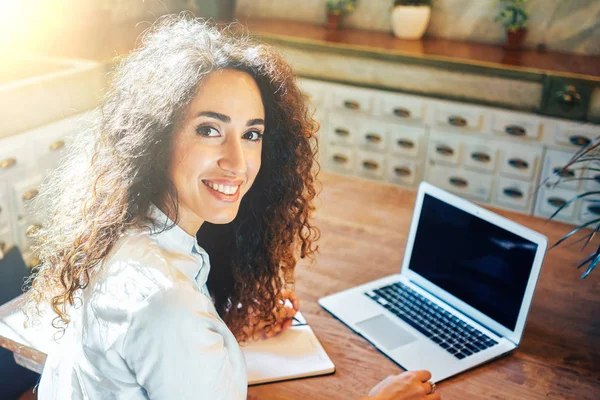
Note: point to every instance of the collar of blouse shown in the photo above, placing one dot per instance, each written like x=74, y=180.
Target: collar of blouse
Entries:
x=178, y=240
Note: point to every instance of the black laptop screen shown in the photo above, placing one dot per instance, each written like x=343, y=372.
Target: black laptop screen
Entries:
x=482, y=264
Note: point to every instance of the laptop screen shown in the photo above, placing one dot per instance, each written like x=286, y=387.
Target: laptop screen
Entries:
x=480, y=263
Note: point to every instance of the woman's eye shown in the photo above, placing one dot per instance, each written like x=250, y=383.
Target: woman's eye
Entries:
x=207, y=131
x=253, y=136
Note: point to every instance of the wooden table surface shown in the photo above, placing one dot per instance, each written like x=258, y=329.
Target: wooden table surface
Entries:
x=364, y=227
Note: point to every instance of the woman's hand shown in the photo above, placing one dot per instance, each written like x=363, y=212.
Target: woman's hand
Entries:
x=411, y=385
x=281, y=317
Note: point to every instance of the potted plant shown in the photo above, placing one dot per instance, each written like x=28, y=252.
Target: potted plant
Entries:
x=586, y=159
x=336, y=9
x=513, y=15
x=410, y=18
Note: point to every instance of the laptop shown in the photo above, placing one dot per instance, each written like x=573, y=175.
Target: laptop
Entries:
x=462, y=295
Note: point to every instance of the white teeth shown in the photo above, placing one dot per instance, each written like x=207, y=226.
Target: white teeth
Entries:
x=225, y=189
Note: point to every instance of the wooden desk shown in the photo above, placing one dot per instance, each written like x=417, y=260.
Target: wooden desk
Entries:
x=364, y=227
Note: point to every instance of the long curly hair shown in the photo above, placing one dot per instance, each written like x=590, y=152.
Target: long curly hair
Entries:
x=117, y=168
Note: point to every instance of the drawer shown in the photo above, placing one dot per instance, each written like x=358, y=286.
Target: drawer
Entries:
x=401, y=107
x=469, y=184
x=401, y=171
x=340, y=159
x=24, y=231
x=24, y=193
x=352, y=99
x=406, y=140
x=373, y=136
x=444, y=150
x=343, y=130
x=575, y=134
x=479, y=157
x=370, y=165
x=519, y=162
x=459, y=116
x=314, y=90
x=514, y=194
x=550, y=199
x=5, y=208
x=554, y=160
x=589, y=211
x=7, y=240
x=516, y=125
x=16, y=156
x=592, y=176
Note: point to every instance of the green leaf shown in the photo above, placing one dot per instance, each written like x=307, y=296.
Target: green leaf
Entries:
x=592, y=266
x=579, y=196
x=574, y=231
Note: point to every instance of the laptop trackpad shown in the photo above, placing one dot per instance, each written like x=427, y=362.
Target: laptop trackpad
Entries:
x=386, y=332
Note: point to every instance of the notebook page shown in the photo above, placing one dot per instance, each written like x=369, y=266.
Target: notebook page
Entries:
x=295, y=353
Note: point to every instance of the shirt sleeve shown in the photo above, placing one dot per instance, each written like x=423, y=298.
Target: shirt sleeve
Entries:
x=176, y=348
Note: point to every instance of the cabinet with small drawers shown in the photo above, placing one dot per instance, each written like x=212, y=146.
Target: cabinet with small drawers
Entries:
x=25, y=160
x=490, y=155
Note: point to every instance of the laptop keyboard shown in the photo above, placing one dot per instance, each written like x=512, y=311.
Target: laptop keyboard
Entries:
x=447, y=331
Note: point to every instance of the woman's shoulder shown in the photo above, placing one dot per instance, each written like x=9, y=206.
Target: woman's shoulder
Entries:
x=135, y=269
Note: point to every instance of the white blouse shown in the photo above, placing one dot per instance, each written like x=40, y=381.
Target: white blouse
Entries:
x=147, y=328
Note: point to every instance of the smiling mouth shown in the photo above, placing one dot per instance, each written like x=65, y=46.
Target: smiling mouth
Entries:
x=227, y=190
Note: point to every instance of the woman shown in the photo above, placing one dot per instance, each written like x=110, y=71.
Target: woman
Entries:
x=202, y=145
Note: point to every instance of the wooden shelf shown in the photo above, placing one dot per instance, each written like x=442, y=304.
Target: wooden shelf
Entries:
x=449, y=52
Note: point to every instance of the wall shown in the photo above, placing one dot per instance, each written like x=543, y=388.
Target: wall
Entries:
x=561, y=25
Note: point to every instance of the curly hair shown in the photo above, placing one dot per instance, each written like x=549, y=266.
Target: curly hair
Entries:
x=117, y=168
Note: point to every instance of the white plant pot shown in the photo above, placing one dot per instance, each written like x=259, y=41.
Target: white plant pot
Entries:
x=410, y=22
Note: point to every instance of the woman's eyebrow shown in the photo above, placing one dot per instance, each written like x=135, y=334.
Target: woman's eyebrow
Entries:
x=255, y=121
x=215, y=115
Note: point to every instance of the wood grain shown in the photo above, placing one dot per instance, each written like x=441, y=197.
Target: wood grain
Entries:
x=364, y=227
x=469, y=53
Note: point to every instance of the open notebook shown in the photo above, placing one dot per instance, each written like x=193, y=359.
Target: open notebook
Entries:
x=296, y=353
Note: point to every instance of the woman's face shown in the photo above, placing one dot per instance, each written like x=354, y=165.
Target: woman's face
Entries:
x=217, y=148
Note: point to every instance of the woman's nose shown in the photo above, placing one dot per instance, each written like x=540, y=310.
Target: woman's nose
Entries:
x=232, y=158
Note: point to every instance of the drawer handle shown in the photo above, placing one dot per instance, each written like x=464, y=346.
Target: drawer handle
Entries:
x=8, y=162
x=455, y=120
x=57, y=145
x=596, y=179
x=30, y=194
x=569, y=96
x=340, y=159
x=556, y=202
x=351, y=105
x=458, y=182
x=594, y=209
x=32, y=229
x=402, y=171
x=481, y=157
x=342, y=132
x=444, y=150
x=578, y=140
x=33, y=262
x=401, y=112
x=370, y=165
x=515, y=130
x=513, y=192
x=373, y=138
x=518, y=163
x=407, y=144
x=564, y=173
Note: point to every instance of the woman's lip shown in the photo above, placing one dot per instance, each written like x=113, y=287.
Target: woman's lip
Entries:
x=228, y=198
x=228, y=182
